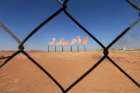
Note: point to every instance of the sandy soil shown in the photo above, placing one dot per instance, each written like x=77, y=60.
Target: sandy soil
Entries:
x=20, y=75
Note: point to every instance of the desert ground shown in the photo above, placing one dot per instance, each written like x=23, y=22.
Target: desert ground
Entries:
x=20, y=75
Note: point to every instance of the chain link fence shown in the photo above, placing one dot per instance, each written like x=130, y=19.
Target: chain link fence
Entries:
x=63, y=8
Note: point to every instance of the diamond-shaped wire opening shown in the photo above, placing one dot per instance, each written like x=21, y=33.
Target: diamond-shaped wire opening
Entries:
x=74, y=62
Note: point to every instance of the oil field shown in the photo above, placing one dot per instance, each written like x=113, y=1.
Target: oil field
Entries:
x=69, y=46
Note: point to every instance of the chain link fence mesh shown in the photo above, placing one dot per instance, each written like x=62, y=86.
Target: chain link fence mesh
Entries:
x=63, y=8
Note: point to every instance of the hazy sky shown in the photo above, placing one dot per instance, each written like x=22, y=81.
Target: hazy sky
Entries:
x=103, y=18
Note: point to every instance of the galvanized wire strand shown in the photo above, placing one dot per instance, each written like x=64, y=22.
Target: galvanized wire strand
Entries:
x=83, y=28
x=6, y=29
x=68, y=14
x=134, y=5
x=123, y=33
x=124, y=72
x=9, y=58
x=4, y=57
x=40, y=26
x=44, y=70
x=85, y=74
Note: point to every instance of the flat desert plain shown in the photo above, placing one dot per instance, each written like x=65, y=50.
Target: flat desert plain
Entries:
x=20, y=75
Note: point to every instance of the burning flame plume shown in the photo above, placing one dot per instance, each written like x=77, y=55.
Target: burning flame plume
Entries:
x=84, y=41
x=75, y=41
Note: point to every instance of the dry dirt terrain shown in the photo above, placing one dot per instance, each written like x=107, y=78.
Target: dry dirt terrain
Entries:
x=20, y=75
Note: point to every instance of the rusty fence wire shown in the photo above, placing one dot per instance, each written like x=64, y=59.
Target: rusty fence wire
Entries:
x=63, y=8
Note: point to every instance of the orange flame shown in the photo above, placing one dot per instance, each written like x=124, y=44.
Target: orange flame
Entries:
x=84, y=41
